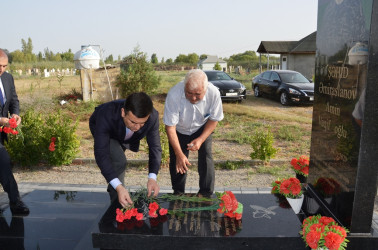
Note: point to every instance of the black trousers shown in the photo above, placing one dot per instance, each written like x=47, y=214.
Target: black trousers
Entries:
x=205, y=164
x=6, y=176
x=119, y=162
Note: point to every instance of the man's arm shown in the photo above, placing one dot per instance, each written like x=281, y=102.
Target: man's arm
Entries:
x=14, y=105
x=181, y=160
x=154, y=146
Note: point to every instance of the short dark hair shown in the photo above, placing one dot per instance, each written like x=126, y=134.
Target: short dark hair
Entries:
x=140, y=104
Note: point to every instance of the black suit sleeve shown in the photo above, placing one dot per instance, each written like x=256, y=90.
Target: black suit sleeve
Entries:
x=154, y=146
x=14, y=105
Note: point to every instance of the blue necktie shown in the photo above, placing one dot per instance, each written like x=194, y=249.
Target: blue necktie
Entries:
x=1, y=98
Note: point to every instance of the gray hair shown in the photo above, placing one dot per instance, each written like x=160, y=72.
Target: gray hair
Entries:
x=195, y=78
x=3, y=54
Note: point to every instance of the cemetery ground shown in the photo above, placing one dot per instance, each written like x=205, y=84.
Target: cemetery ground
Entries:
x=291, y=127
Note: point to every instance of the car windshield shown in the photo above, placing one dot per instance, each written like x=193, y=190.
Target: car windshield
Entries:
x=293, y=78
x=216, y=76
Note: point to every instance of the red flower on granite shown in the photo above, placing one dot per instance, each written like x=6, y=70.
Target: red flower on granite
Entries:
x=290, y=188
x=333, y=240
x=323, y=232
x=276, y=187
x=301, y=165
x=327, y=186
x=312, y=239
x=154, y=210
x=163, y=211
x=229, y=205
x=127, y=214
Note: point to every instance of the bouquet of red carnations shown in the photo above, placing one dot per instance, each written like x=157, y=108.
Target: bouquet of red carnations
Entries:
x=301, y=165
x=323, y=232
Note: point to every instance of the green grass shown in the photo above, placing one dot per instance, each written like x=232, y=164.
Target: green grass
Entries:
x=277, y=171
x=169, y=79
x=289, y=132
x=231, y=165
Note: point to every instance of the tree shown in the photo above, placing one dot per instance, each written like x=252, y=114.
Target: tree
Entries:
x=18, y=56
x=181, y=58
x=27, y=47
x=192, y=58
x=217, y=66
x=154, y=58
x=109, y=59
x=48, y=54
x=137, y=75
x=203, y=56
x=67, y=56
x=39, y=56
x=27, y=50
x=169, y=61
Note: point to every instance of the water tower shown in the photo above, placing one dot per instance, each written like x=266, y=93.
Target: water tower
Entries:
x=87, y=58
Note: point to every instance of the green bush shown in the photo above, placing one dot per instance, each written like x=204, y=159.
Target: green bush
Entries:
x=262, y=145
x=31, y=146
x=137, y=75
x=217, y=66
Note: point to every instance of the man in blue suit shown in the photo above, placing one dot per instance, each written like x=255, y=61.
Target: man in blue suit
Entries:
x=9, y=104
x=120, y=125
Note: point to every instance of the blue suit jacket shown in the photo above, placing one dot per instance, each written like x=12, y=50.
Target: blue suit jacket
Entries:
x=106, y=122
x=12, y=104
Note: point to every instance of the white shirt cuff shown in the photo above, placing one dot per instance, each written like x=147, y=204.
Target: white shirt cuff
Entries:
x=115, y=182
x=152, y=176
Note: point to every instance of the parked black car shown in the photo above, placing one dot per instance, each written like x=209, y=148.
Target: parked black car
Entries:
x=229, y=88
x=290, y=86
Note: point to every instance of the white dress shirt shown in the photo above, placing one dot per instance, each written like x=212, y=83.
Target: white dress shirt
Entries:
x=188, y=117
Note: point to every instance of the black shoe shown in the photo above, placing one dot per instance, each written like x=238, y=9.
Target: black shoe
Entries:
x=19, y=208
x=205, y=195
x=179, y=193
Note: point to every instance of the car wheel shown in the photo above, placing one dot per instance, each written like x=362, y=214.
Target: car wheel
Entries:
x=284, y=98
x=256, y=90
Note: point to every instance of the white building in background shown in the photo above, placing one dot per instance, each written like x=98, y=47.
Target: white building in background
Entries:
x=209, y=63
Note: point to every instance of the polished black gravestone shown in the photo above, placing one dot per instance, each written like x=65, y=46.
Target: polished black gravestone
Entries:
x=57, y=220
x=344, y=144
x=267, y=223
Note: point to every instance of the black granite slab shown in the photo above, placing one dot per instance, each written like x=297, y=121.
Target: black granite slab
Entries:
x=57, y=220
x=266, y=224
x=86, y=220
x=343, y=153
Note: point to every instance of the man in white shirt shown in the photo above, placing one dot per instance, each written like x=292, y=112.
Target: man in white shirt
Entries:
x=192, y=111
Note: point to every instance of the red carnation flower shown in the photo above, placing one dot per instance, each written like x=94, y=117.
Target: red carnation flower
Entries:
x=332, y=241
x=163, y=211
x=312, y=239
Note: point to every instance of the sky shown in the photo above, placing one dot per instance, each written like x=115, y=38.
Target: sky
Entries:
x=165, y=27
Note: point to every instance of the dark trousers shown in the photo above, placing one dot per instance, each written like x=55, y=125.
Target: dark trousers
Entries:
x=205, y=164
x=6, y=176
x=119, y=162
